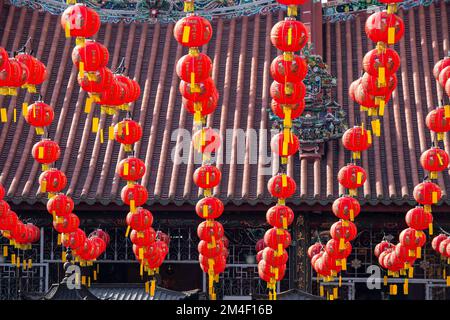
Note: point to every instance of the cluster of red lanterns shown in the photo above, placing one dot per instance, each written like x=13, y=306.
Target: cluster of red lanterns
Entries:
x=288, y=102
x=200, y=98
x=441, y=72
x=150, y=248
x=20, y=235
x=441, y=244
x=112, y=91
x=21, y=71
x=373, y=90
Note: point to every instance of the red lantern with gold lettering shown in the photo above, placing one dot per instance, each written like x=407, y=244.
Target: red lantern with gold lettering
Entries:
x=427, y=193
x=192, y=31
x=139, y=220
x=92, y=54
x=356, y=139
x=135, y=192
x=352, y=176
x=209, y=208
x=207, y=176
x=281, y=186
x=131, y=169
x=52, y=180
x=437, y=122
x=346, y=208
x=46, y=151
x=418, y=219
x=80, y=21
x=39, y=114
x=288, y=70
x=434, y=160
x=289, y=35
x=194, y=67
x=285, y=146
x=280, y=216
x=384, y=27
x=67, y=224
x=60, y=205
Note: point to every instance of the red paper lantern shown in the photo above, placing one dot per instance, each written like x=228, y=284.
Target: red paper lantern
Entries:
x=387, y=59
x=434, y=160
x=207, y=176
x=131, y=169
x=439, y=66
x=200, y=91
x=381, y=247
x=140, y=220
x=411, y=238
x=206, y=106
x=285, y=146
x=382, y=257
x=74, y=240
x=267, y=272
x=394, y=262
x=99, y=245
x=144, y=237
x=209, y=208
x=34, y=233
x=19, y=73
x=288, y=93
x=280, y=216
x=135, y=192
x=352, y=176
x=96, y=81
x=194, y=68
x=444, y=75
x=379, y=24
x=92, y=54
x=115, y=94
x=127, y=132
x=3, y=58
x=334, y=250
x=161, y=236
x=206, y=140
x=276, y=237
x=352, y=89
x=260, y=245
x=314, y=249
x=218, y=263
x=281, y=186
x=418, y=219
x=4, y=208
x=37, y=71
x=343, y=230
x=289, y=35
x=80, y=20
x=192, y=31
x=295, y=109
x=60, y=205
x=370, y=84
x=101, y=234
x=39, y=114
x=163, y=247
x=67, y=224
x=346, y=208
x=437, y=241
x=8, y=221
x=20, y=233
x=209, y=250
x=403, y=254
x=356, y=139
x=210, y=231
x=2, y=193
x=272, y=257
x=87, y=250
x=442, y=249
x=46, y=151
x=437, y=122
x=55, y=180
x=427, y=193
x=259, y=256
x=363, y=98
x=288, y=70
x=130, y=87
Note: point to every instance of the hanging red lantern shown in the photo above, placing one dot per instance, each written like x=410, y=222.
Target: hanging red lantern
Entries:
x=4, y=208
x=259, y=256
x=280, y=216
x=388, y=59
x=3, y=57
x=19, y=73
x=289, y=35
x=210, y=231
x=322, y=267
x=34, y=233
x=439, y=66
x=427, y=193
x=161, y=236
x=382, y=257
x=403, y=254
x=381, y=247
x=218, y=263
x=352, y=176
x=52, y=180
x=384, y=27
x=199, y=91
x=281, y=186
x=209, y=208
x=19, y=233
x=134, y=192
x=206, y=106
x=437, y=122
x=92, y=54
x=352, y=89
x=364, y=99
x=96, y=81
x=39, y=114
x=101, y=234
x=344, y=230
x=285, y=146
x=260, y=245
x=67, y=224
x=288, y=93
x=442, y=249
x=194, y=68
x=272, y=257
x=163, y=247
x=444, y=75
x=60, y=205
x=334, y=250
x=206, y=140
x=99, y=245
x=131, y=169
x=74, y=240
x=8, y=221
x=130, y=91
x=80, y=21
x=314, y=249
x=394, y=263
x=46, y=151
x=127, y=132
x=37, y=70
x=210, y=250
x=447, y=88
x=192, y=31
x=207, y=176
x=356, y=139
x=411, y=238
x=87, y=250
x=114, y=95
x=140, y=220
x=371, y=85
x=267, y=272
x=346, y=208
x=418, y=219
x=437, y=241
x=295, y=110
x=2, y=192
x=434, y=160
x=144, y=237
x=285, y=70
x=276, y=238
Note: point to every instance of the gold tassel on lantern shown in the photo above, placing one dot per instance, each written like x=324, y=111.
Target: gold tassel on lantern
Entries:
x=287, y=122
x=381, y=77
x=405, y=287
x=292, y=10
x=5, y=251
x=391, y=35
x=430, y=229
x=3, y=115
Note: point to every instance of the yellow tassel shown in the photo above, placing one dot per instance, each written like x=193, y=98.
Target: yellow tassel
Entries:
x=95, y=121
x=341, y=244
x=285, y=225
x=132, y=205
x=88, y=105
x=381, y=77
x=335, y=292
x=43, y=186
x=385, y=280
x=448, y=281
x=381, y=107
x=59, y=239
x=292, y=10
x=447, y=111
x=391, y=35
x=344, y=264
x=430, y=229
x=30, y=263
x=284, y=180
x=81, y=69
x=289, y=38
x=83, y=280
x=15, y=115
x=352, y=215
x=67, y=29
x=340, y=280
x=321, y=293
x=186, y=32
x=18, y=262
x=280, y=249
x=405, y=287
x=434, y=197
x=419, y=252
x=89, y=282
x=287, y=122
x=359, y=177
x=3, y=115
x=376, y=127
x=110, y=133
x=5, y=251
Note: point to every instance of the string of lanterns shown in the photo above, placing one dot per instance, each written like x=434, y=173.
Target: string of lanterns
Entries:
x=288, y=93
x=200, y=98
x=21, y=236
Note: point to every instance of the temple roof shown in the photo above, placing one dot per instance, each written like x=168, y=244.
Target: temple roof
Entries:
x=242, y=52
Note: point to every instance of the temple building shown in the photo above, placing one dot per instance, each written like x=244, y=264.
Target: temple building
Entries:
x=142, y=35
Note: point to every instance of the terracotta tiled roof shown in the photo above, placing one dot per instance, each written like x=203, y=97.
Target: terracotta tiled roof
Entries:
x=242, y=54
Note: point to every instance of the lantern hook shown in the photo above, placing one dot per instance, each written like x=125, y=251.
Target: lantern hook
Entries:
x=121, y=68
